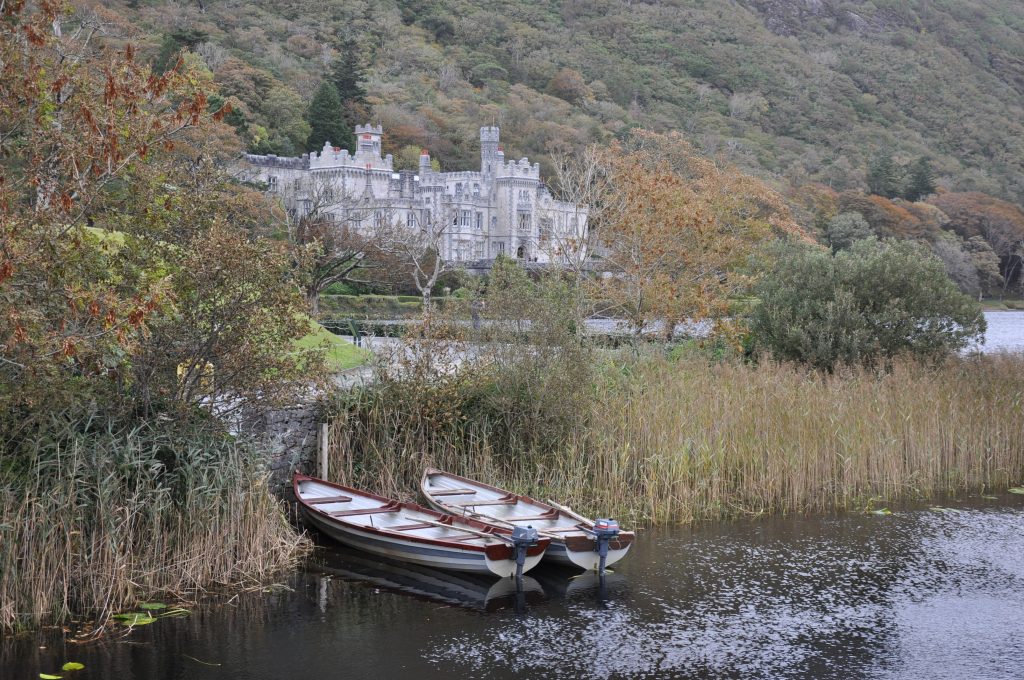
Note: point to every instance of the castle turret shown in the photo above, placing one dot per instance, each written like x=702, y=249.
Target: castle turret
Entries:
x=490, y=138
x=424, y=162
x=368, y=140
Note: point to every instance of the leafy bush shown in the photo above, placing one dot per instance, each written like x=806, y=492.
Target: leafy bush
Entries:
x=868, y=303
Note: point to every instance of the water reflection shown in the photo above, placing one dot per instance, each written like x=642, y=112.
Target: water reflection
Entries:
x=914, y=595
x=472, y=591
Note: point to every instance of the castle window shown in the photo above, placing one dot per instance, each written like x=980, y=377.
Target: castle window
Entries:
x=499, y=248
x=476, y=189
x=524, y=221
x=410, y=219
x=479, y=221
x=458, y=188
x=494, y=222
x=478, y=250
x=465, y=218
x=545, y=229
x=272, y=183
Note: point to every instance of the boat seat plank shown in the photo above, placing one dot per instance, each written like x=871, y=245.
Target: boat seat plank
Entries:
x=329, y=499
x=467, y=539
x=409, y=527
x=500, y=501
x=526, y=518
x=452, y=492
x=364, y=511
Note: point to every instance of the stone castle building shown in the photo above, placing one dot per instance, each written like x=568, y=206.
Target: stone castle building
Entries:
x=502, y=208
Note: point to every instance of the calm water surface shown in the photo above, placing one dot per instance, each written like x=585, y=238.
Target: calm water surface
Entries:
x=918, y=594
x=1005, y=332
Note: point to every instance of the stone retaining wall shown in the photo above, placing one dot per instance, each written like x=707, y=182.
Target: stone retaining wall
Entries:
x=291, y=438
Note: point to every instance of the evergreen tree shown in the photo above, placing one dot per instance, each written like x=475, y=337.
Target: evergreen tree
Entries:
x=347, y=74
x=921, y=182
x=882, y=176
x=327, y=121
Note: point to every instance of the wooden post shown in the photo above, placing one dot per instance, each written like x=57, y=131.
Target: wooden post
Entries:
x=323, y=450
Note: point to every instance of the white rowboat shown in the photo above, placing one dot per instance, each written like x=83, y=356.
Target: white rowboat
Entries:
x=412, y=533
x=574, y=540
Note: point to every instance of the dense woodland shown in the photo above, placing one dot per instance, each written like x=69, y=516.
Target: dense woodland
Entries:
x=818, y=97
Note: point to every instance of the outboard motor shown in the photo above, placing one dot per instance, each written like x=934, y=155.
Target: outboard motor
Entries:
x=604, y=531
x=522, y=539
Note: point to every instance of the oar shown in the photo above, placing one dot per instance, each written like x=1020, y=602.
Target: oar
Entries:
x=484, y=534
x=491, y=519
x=569, y=511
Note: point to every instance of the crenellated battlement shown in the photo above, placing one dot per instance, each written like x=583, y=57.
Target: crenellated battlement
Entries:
x=274, y=161
x=501, y=208
x=368, y=129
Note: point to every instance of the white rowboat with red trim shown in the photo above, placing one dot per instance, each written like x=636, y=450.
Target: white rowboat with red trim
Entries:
x=413, y=533
x=575, y=540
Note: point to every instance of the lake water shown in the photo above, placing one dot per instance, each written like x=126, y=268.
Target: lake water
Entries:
x=1005, y=332
x=917, y=594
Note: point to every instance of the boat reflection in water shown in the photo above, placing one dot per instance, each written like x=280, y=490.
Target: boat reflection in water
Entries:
x=459, y=589
x=566, y=584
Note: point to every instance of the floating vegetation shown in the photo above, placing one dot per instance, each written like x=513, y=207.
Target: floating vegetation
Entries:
x=1017, y=490
x=146, y=617
x=68, y=667
x=881, y=511
x=135, y=618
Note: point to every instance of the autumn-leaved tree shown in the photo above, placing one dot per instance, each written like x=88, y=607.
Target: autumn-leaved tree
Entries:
x=998, y=222
x=677, y=231
x=110, y=217
x=73, y=123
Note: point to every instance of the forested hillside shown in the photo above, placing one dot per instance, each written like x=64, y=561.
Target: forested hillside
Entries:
x=838, y=95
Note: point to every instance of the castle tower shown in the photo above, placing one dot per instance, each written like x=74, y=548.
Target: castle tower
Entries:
x=368, y=140
x=490, y=138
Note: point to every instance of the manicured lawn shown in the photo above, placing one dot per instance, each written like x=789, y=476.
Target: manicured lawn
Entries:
x=341, y=354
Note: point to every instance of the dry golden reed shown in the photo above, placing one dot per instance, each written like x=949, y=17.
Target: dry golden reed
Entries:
x=668, y=442
x=91, y=526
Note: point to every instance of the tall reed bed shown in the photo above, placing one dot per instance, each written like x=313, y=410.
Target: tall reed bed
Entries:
x=96, y=515
x=662, y=441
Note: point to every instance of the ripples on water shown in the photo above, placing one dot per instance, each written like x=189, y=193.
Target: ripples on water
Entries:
x=922, y=594
x=926, y=594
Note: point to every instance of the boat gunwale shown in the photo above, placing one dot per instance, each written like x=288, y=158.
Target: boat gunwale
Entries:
x=500, y=551
x=573, y=543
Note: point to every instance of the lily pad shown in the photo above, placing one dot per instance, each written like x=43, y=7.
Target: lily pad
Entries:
x=47, y=676
x=72, y=666
x=882, y=511
x=135, y=618
x=991, y=498
x=1017, y=490
x=174, y=613
x=152, y=605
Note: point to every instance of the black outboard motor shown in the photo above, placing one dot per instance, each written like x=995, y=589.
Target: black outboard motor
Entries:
x=604, y=531
x=522, y=539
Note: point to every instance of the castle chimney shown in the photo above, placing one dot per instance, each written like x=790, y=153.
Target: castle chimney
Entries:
x=424, y=162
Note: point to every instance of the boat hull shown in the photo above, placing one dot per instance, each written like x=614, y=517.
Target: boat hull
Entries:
x=578, y=551
x=495, y=556
x=428, y=556
x=560, y=554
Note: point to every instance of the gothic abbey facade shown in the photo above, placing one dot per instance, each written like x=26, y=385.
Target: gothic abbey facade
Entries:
x=501, y=209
